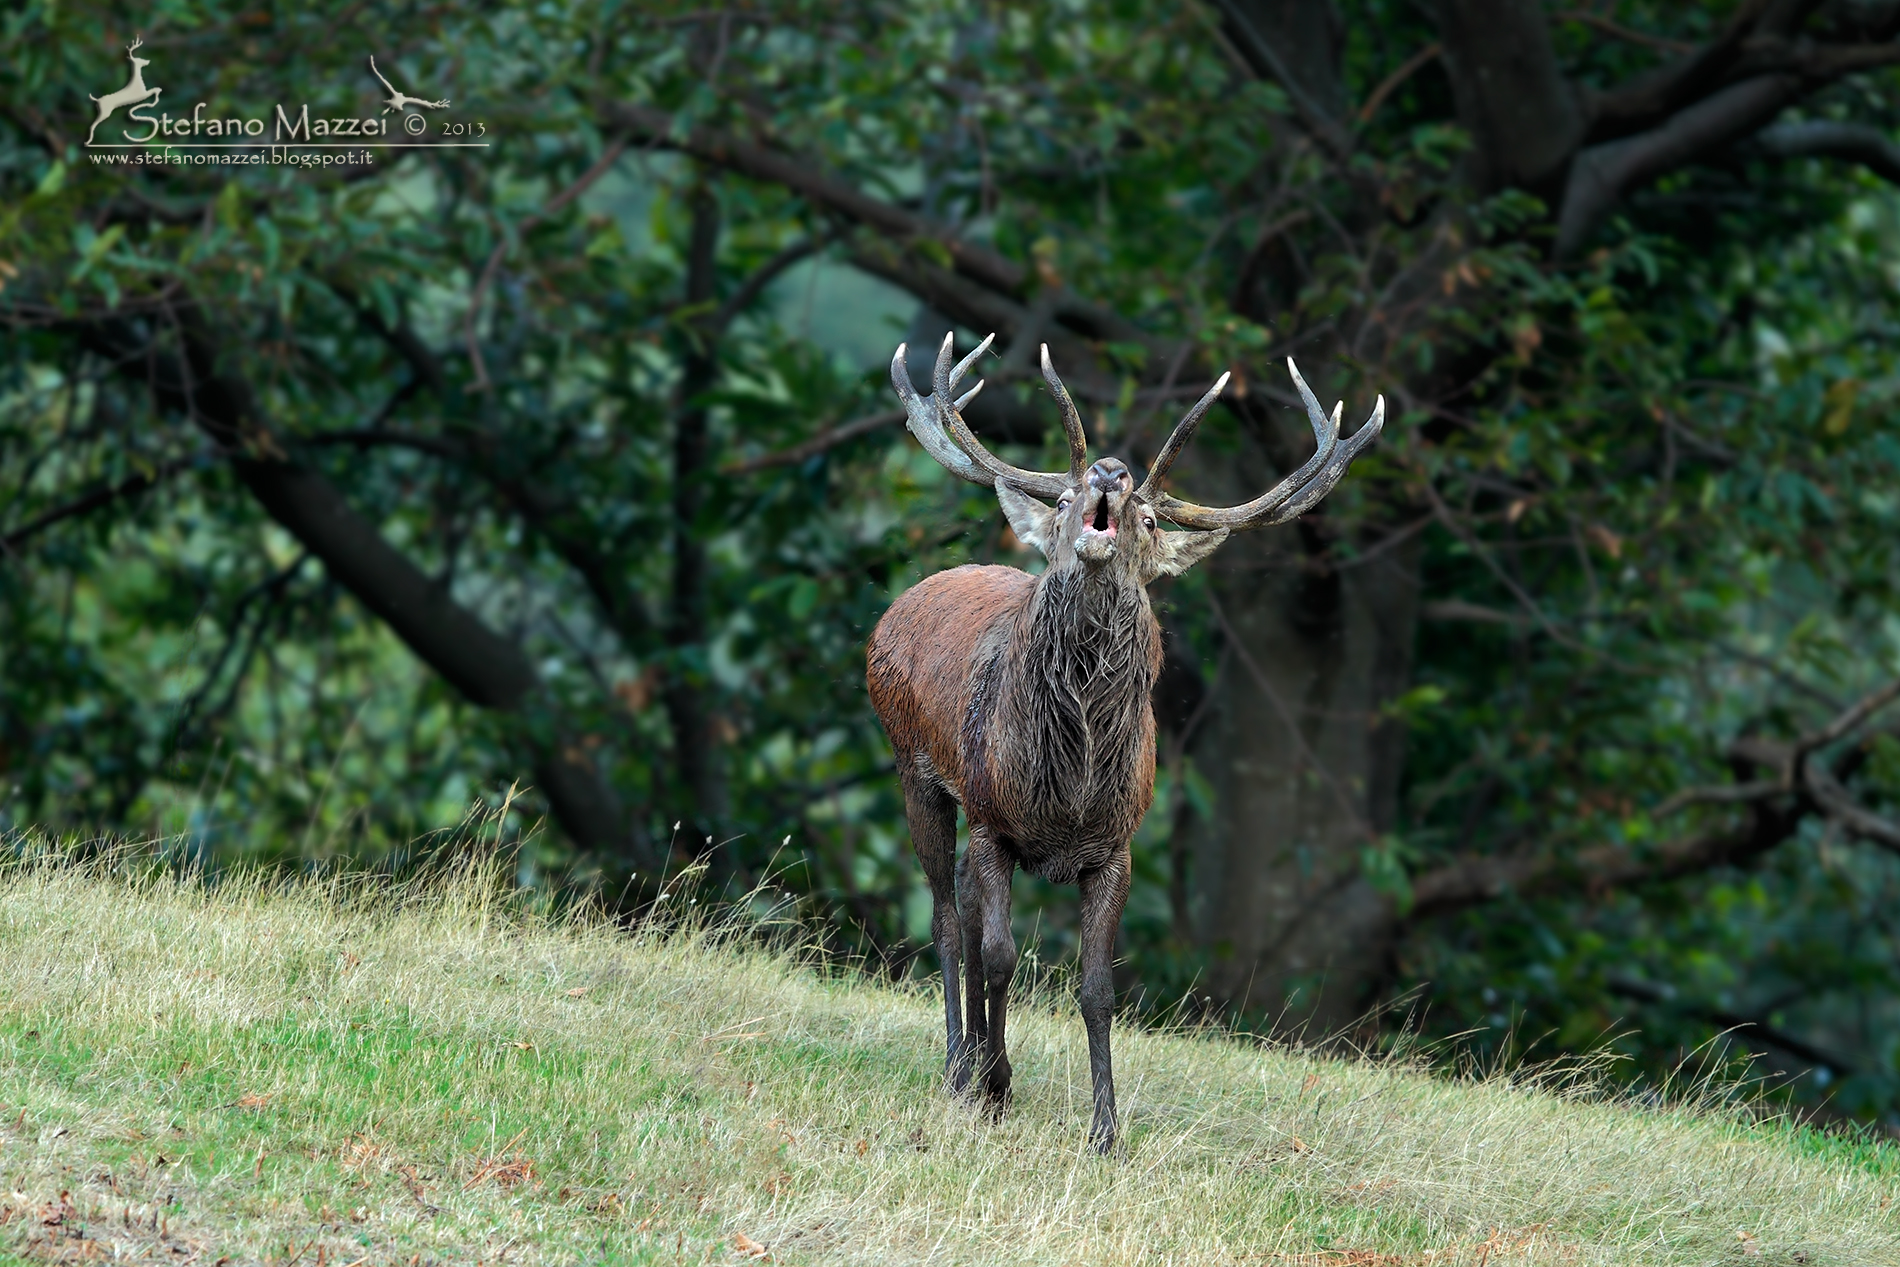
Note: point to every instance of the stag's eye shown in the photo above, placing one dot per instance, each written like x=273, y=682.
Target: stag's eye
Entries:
x=1062, y=503
x=1148, y=523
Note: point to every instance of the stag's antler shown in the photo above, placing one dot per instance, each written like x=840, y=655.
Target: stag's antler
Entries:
x=937, y=422
x=1183, y=432
x=1292, y=496
x=137, y=42
x=1071, y=422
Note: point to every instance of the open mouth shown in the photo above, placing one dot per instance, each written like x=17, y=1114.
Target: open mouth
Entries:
x=1101, y=522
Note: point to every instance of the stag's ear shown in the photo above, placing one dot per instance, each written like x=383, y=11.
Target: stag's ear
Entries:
x=1031, y=521
x=1182, y=550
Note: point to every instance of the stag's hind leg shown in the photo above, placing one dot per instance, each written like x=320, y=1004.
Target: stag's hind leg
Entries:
x=933, y=834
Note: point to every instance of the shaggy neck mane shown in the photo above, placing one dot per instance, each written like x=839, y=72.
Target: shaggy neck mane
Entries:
x=1073, y=694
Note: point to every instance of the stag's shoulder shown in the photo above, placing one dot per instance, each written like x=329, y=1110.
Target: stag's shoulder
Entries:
x=919, y=659
x=975, y=591
x=942, y=616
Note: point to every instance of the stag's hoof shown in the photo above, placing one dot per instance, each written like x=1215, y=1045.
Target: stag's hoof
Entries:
x=996, y=1092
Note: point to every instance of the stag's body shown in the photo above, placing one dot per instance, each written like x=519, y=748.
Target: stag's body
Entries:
x=1044, y=737
x=1026, y=700
x=1047, y=740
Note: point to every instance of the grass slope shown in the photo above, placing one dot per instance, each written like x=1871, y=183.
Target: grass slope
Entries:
x=308, y=1075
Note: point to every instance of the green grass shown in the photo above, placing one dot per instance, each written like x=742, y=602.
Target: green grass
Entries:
x=309, y=1072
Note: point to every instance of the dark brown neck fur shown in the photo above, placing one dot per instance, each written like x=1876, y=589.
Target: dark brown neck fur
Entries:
x=1059, y=737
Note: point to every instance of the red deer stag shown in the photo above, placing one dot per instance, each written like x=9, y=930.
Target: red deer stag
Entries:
x=1025, y=698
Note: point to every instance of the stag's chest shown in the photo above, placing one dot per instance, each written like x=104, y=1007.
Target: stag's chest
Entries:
x=1059, y=752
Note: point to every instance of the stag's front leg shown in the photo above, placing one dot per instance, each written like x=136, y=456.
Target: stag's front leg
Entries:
x=991, y=867
x=933, y=833
x=1104, y=893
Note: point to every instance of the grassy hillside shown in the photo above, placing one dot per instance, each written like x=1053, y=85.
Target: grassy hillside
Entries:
x=307, y=1075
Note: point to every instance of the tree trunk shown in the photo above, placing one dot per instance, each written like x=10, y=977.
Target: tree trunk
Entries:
x=1304, y=759
x=1305, y=765
x=696, y=762
x=1309, y=37
x=1524, y=117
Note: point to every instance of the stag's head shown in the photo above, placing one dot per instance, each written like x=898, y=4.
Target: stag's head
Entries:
x=132, y=52
x=1100, y=521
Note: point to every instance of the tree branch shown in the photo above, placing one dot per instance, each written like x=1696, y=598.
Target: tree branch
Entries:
x=1823, y=138
x=1719, y=794
x=1791, y=762
x=977, y=267
x=1850, y=720
x=379, y=437
x=1602, y=174
x=1822, y=62
x=1842, y=809
x=1390, y=84
x=1650, y=992
x=270, y=589
x=979, y=308
x=807, y=178
x=1457, y=609
x=1617, y=31
x=767, y=273
x=817, y=444
x=1476, y=881
x=539, y=509
x=1775, y=809
x=401, y=337
x=1762, y=38
x=1267, y=63
x=129, y=487
x=1450, y=521
x=1650, y=98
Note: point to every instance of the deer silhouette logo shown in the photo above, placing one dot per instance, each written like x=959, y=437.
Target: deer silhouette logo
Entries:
x=401, y=101
x=134, y=93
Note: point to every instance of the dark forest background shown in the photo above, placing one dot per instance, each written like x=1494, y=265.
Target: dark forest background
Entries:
x=334, y=502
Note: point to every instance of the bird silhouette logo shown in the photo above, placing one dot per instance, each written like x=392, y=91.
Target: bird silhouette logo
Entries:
x=401, y=101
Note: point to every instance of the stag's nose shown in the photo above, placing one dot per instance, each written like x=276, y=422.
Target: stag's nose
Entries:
x=1110, y=475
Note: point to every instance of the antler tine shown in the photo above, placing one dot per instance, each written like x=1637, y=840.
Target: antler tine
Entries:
x=1298, y=492
x=1322, y=484
x=950, y=420
x=920, y=417
x=1071, y=422
x=963, y=367
x=945, y=377
x=138, y=41
x=1178, y=440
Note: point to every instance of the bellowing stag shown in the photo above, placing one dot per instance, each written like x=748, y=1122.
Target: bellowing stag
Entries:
x=1025, y=698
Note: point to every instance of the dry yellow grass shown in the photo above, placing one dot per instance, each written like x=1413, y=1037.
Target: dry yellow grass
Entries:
x=302, y=1073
